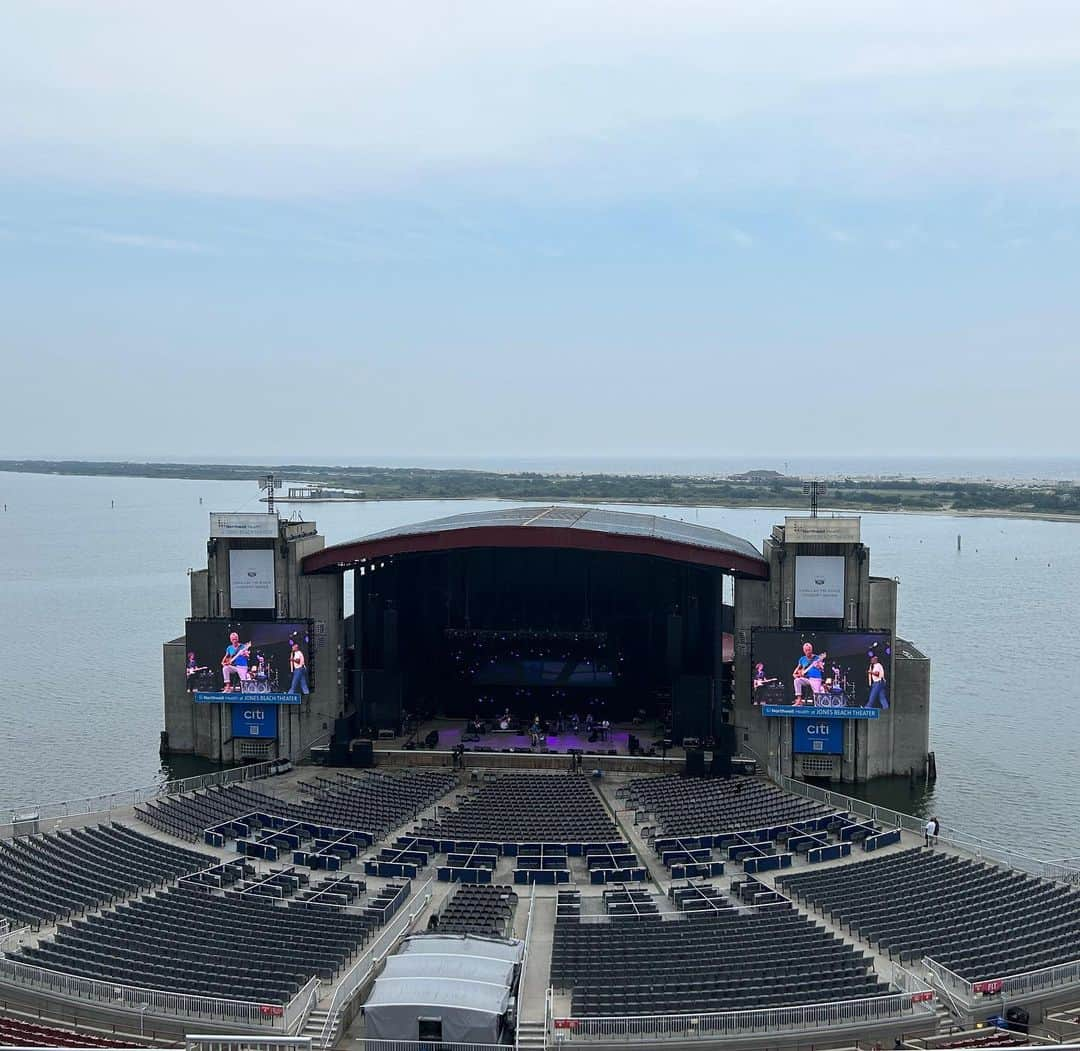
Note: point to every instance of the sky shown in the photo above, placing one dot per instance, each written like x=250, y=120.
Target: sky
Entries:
x=354, y=231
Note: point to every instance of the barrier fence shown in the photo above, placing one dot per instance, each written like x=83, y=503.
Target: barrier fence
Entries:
x=156, y=1001
x=711, y=1025
x=1027, y=983
x=247, y=1043
x=134, y=796
x=1067, y=871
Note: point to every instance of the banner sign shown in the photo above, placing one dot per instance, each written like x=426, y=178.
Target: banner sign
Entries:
x=251, y=578
x=819, y=586
x=809, y=712
x=245, y=698
x=243, y=526
x=817, y=737
x=254, y=720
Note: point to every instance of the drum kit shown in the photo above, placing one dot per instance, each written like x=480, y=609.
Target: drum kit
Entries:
x=262, y=678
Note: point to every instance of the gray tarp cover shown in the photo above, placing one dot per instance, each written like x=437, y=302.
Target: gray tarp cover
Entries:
x=464, y=981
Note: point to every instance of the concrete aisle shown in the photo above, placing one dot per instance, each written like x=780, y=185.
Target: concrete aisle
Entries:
x=538, y=968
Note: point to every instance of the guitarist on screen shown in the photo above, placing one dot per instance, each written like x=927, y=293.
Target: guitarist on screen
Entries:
x=235, y=660
x=809, y=672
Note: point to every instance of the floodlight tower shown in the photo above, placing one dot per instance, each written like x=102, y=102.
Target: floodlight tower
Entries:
x=814, y=490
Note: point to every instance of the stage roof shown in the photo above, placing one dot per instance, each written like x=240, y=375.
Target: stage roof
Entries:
x=588, y=529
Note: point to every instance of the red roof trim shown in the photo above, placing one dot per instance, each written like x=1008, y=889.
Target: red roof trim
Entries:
x=346, y=556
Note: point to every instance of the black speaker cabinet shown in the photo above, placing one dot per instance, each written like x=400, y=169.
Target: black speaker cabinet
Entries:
x=695, y=763
x=363, y=754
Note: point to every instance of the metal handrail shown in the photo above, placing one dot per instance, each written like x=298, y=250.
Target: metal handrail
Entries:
x=524, y=968
x=128, y=997
x=301, y=1005
x=1058, y=974
x=134, y=796
x=365, y=966
x=978, y=846
x=708, y=1025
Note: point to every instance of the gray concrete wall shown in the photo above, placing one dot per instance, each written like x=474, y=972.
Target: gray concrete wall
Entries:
x=205, y=729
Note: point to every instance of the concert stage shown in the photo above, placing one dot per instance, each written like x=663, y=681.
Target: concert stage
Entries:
x=452, y=733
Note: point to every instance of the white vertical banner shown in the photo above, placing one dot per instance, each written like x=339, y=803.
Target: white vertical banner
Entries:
x=819, y=585
x=251, y=578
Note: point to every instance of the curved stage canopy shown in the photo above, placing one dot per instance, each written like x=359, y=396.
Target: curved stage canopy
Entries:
x=585, y=529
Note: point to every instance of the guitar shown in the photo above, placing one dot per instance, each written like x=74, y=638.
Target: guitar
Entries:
x=226, y=661
x=818, y=662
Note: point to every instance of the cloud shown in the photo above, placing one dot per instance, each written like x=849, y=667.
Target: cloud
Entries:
x=550, y=97
x=142, y=241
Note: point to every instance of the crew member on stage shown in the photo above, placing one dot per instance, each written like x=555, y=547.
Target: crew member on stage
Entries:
x=808, y=672
x=875, y=676
x=298, y=664
x=235, y=660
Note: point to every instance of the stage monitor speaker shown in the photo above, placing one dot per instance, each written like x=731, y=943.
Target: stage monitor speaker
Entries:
x=695, y=763
x=363, y=754
x=691, y=707
x=339, y=753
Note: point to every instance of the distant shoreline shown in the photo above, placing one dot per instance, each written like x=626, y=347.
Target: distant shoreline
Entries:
x=768, y=490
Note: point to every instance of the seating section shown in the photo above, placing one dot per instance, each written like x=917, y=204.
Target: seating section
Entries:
x=523, y=808
x=979, y=921
x=190, y=941
x=63, y=873
x=487, y=910
x=187, y=816
x=720, y=960
x=16, y=1033
x=375, y=803
x=691, y=806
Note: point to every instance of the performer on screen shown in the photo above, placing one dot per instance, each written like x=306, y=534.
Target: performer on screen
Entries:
x=299, y=669
x=875, y=676
x=235, y=660
x=809, y=672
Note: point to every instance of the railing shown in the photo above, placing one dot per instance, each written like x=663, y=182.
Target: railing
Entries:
x=1026, y=983
x=524, y=968
x=131, y=998
x=1065, y=871
x=300, y=1006
x=134, y=796
x=247, y=1043
x=12, y=938
x=711, y=1025
x=359, y=973
x=428, y=1045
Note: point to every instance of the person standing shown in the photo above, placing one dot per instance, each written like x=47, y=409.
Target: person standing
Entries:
x=875, y=676
x=298, y=664
x=933, y=826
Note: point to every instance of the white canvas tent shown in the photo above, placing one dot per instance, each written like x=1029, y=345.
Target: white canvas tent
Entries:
x=461, y=983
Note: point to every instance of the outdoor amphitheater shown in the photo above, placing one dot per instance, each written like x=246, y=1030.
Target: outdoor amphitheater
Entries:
x=501, y=901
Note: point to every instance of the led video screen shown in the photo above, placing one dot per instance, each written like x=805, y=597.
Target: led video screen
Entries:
x=239, y=656
x=821, y=670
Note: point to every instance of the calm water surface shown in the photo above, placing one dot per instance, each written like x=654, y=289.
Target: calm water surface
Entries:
x=88, y=592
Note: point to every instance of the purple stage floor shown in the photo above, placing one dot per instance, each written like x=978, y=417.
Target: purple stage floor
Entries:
x=617, y=739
